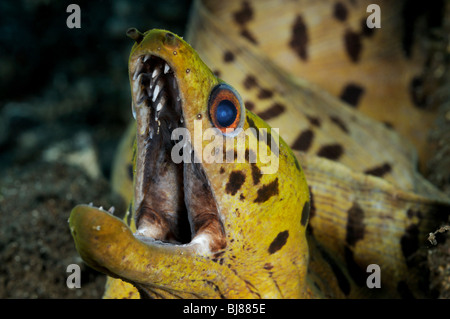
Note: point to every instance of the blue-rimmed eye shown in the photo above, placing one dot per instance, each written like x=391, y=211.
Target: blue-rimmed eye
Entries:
x=225, y=110
x=226, y=113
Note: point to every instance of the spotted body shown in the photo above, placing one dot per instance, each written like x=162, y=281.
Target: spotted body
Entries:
x=248, y=234
x=330, y=44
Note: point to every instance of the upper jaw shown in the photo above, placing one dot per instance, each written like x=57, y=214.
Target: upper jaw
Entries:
x=173, y=203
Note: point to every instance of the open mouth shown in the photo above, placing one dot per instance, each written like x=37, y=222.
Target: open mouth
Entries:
x=173, y=202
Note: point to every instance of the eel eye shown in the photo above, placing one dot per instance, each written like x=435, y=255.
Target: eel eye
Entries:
x=225, y=108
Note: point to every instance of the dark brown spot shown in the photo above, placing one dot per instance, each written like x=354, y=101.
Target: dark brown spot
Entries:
x=222, y=170
x=267, y=191
x=340, y=11
x=249, y=36
x=217, y=73
x=250, y=156
x=216, y=288
x=256, y=174
x=278, y=242
x=351, y=94
x=251, y=124
x=236, y=180
x=249, y=105
x=417, y=94
x=299, y=39
x=312, y=206
x=410, y=243
x=305, y=214
x=365, y=30
x=355, y=225
x=242, y=197
x=379, y=171
x=250, y=82
x=244, y=15
x=268, y=266
x=315, y=121
x=303, y=141
x=130, y=171
x=355, y=271
x=353, y=45
x=265, y=94
x=332, y=152
x=389, y=125
x=273, y=111
x=218, y=255
x=228, y=56
x=337, y=120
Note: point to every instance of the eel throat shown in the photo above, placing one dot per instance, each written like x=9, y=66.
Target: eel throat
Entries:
x=174, y=202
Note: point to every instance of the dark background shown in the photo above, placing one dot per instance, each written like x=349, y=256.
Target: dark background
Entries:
x=56, y=81
x=64, y=93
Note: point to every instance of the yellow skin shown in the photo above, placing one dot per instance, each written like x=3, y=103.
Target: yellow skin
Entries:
x=245, y=267
x=266, y=253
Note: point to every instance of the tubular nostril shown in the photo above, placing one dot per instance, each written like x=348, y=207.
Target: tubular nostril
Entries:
x=134, y=34
x=170, y=39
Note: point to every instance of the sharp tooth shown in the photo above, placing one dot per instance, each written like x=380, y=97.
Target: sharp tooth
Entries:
x=137, y=83
x=181, y=120
x=159, y=107
x=140, y=97
x=149, y=91
x=166, y=68
x=146, y=58
x=138, y=69
x=133, y=110
x=155, y=73
x=136, y=73
x=155, y=93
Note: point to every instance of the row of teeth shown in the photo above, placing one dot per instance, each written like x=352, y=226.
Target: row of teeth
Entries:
x=154, y=88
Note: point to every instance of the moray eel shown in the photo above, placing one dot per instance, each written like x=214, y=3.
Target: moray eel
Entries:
x=229, y=226
x=191, y=217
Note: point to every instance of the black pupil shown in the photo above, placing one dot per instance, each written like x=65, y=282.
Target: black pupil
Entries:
x=226, y=113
